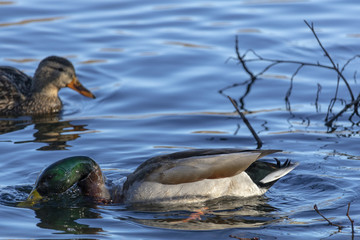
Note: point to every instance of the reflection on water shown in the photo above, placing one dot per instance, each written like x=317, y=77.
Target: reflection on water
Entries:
x=64, y=219
x=190, y=45
x=11, y=125
x=50, y=130
x=59, y=214
x=56, y=134
x=63, y=212
x=219, y=214
x=27, y=21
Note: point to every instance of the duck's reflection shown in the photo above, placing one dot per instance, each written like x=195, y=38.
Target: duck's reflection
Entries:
x=8, y=125
x=56, y=134
x=220, y=214
x=63, y=214
x=66, y=213
x=65, y=219
x=52, y=131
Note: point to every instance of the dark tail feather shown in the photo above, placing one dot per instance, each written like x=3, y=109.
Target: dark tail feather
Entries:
x=265, y=174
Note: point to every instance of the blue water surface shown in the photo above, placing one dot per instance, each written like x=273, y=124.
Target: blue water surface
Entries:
x=161, y=72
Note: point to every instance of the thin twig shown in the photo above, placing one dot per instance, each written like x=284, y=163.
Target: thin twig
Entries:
x=317, y=97
x=331, y=223
x=355, y=74
x=349, y=61
x=347, y=106
x=333, y=101
x=277, y=61
x=335, y=67
x=288, y=93
x=247, y=123
x=241, y=59
x=247, y=91
x=352, y=221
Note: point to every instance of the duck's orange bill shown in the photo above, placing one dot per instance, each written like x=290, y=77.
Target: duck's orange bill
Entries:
x=33, y=198
x=77, y=86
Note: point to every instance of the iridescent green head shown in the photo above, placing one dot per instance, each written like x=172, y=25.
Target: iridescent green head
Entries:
x=60, y=176
x=63, y=174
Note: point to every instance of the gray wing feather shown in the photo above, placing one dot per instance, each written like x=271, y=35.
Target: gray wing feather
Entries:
x=194, y=165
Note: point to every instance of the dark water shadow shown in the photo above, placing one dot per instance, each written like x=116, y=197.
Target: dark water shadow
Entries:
x=51, y=130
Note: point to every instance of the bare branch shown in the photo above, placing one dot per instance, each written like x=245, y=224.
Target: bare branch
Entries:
x=253, y=52
x=351, y=221
x=247, y=123
x=290, y=88
x=333, y=101
x=255, y=57
x=347, y=106
x=355, y=74
x=335, y=66
x=349, y=61
x=317, y=64
x=317, y=97
x=267, y=68
x=355, y=103
x=242, y=60
x=331, y=223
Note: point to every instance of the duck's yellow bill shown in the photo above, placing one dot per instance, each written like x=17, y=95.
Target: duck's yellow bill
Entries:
x=33, y=198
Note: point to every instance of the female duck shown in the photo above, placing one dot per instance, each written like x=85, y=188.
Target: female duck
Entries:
x=23, y=95
x=182, y=177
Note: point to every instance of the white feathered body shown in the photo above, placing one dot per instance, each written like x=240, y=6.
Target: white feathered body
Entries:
x=240, y=185
x=200, y=175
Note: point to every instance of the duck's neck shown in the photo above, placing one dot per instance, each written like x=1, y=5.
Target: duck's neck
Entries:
x=38, y=103
x=42, y=87
x=43, y=98
x=94, y=186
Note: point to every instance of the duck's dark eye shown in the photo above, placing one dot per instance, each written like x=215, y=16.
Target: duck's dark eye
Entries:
x=49, y=177
x=60, y=69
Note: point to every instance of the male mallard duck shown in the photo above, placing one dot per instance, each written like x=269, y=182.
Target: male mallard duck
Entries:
x=181, y=177
x=23, y=95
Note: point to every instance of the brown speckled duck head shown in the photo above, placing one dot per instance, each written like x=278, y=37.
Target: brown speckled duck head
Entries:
x=54, y=73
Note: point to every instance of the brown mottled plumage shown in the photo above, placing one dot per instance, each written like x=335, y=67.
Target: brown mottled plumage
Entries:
x=23, y=95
